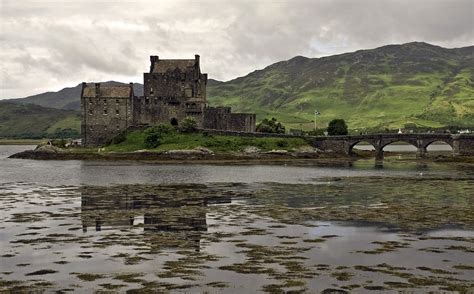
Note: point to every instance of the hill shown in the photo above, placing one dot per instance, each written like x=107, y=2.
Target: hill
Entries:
x=34, y=121
x=390, y=86
x=67, y=98
x=387, y=87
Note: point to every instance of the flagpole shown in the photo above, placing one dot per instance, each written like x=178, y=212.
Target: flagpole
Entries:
x=315, y=121
x=316, y=113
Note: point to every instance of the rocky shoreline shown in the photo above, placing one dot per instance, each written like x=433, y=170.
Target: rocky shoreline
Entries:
x=47, y=152
x=201, y=155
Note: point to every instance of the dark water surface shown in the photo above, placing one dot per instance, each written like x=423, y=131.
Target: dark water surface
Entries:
x=192, y=228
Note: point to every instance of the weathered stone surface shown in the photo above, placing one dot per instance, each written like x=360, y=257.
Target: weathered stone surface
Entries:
x=251, y=150
x=278, y=152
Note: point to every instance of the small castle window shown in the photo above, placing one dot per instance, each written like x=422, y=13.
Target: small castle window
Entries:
x=117, y=112
x=90, y=111
x=105, y=111
x=118, y=127
x=117, y=101
x=105, y=101
x=90, y=101
x=151, y=90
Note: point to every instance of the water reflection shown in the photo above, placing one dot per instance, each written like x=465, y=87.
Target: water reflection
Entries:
x=154, y=209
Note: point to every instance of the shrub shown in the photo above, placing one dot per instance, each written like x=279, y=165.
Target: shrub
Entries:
x=61, y=143
x=188, y=125
x=317, y=132
x=337, y=127
x=122, y=136
x=152, y=140
x=270, y=126
x=164, y=129
x=282, y=143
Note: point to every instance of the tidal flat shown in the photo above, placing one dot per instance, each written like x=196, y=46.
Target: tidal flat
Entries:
x=73, y=226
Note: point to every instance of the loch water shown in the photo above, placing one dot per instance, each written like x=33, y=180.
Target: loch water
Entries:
x=306, y=226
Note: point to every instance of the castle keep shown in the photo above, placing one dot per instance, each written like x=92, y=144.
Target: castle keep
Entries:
x=173, y=90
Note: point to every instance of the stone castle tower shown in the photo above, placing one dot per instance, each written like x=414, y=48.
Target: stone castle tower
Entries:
x=173, y=90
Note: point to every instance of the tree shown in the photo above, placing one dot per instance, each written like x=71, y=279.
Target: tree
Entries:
x=337, y=127
x=188, y=125
x=270, y=126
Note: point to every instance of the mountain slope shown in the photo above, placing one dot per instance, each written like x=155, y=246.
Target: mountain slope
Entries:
x=34, y=121
x=67, y=98
x=388, y=86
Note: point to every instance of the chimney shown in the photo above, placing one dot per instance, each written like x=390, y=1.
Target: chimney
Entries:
x=97, y=89
x=82, y=89
x=153, y=59
x=196, y=58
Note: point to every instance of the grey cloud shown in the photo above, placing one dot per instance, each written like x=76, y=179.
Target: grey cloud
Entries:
x=65, y=42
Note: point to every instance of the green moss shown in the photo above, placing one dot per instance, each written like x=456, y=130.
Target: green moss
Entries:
x=342, y=276
x=41, y=272
x=129, y=277
x=218, y=285
x=88, y=277
x=463, y=267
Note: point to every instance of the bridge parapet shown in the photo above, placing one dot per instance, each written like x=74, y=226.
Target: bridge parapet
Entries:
x=461, y=144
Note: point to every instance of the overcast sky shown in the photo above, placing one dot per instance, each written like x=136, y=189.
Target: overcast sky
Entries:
x=50, y=44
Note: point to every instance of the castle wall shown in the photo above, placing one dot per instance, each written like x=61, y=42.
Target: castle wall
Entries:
x=104, y=117
x=157, y=110
x=222, y=118
x=173, y=90
x=243, y=122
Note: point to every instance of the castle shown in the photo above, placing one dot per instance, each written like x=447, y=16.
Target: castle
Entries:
x=173, y=90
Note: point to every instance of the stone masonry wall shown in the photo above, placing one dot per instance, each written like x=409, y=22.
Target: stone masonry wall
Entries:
x=221, y=118
x=104, y=117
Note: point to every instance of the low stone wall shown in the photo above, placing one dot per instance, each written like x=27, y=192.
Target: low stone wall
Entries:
x=247, y=134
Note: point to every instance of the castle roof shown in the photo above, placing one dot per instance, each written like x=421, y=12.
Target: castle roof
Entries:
x=164, y=65
x=108, y=91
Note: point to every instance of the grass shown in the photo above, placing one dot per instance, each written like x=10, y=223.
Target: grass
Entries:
x=173, y=141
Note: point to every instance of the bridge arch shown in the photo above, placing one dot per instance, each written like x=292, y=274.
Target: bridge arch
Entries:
x=427, y=143
x=385, y=143
x=354, y=143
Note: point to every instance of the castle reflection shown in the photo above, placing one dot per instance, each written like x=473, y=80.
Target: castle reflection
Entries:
x=176, y=210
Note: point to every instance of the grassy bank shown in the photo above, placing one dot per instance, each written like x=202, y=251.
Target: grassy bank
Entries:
x=175, y=140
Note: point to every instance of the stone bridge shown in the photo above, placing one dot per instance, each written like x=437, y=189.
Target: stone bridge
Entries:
x=462, y=144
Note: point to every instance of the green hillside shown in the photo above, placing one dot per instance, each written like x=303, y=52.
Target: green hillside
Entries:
x=387, y=87
x=67, y=98
x=34, y=121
